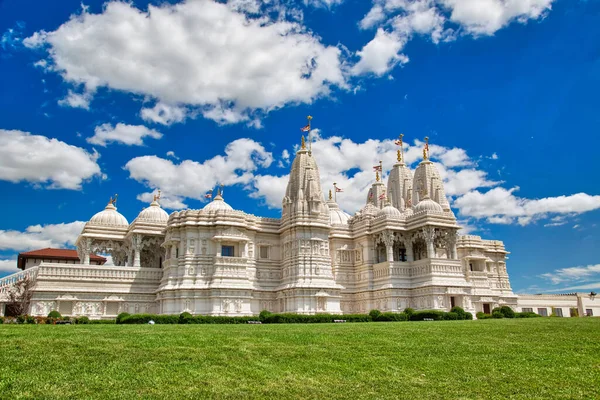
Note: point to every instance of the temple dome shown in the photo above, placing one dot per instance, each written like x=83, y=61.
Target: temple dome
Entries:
x=109, y=217
x=390, y=211
x=218, y=204
x=428, y=205
x=154, y=213
x=337, y=216
x=369, y=209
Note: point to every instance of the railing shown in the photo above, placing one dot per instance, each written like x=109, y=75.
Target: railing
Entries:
x=418, y=268
x=98, y=273
x=10, y=280
x=219, y=260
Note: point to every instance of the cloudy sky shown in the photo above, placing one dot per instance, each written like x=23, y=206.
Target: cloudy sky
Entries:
x=98, y=98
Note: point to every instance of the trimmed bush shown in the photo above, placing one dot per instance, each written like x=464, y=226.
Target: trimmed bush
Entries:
x=374, y=314
x=389, y=316
x=481, y=315
x=427, y=314
x=409, y=311
x=451, y=316
x=82, y=321
x=121, y=316
x=468, y=316
x=507, y=312
x=54, y=314
x=184, y=317
x=526, y=315
x=497, y=314
x=264, y=314
x=145, y=318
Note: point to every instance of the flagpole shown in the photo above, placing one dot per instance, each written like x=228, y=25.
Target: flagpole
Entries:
x=334, y=192
x=309, y=118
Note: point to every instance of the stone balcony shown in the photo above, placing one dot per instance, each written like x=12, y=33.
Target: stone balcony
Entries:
x=429, y=266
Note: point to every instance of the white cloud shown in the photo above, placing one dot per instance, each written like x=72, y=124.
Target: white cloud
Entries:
x=41, y=236
x=166, y=201
x=323, y=3
x=573, y=274
x=8, y=266
x=375, y=15
x=212, y=56
x=485, y=17
x=380, y=55
x=130, y=135
x=163, y=114
x=40, y=160
x=171, y=154
x=75, y=100
x=502, y=203
x=192, y=179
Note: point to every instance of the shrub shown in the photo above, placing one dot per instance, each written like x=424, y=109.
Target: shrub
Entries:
x=354, y=317
x=264, y=314
x=427, y=314
x=121, y=316
x=103, y=322
x=184, y=317
x=21, y=319
x=526, y=315
x=82, y=321
x=1, y=320
x=54, y=314
x=497, y=314
x=389, y=316
x=451, y=316
x=460, y=312
x=409, y=311
x=468, y=316
x=507, y=312
x=481, y=315
x=374, y=314
x=145, y=318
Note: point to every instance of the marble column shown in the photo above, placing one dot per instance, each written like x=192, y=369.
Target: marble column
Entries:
x=136, y=242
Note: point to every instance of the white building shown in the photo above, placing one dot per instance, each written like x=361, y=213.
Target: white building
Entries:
x=400, y=250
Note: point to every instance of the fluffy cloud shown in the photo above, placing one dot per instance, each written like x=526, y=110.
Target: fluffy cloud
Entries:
x=130, y=135
x=41, y=236
x=166, y=201
x=573, y=274
x=75, y=100
x=192, y=179
x=40, y=160
x=380, y=55
x=219, y=58
x=163, y=114
x=8, y=266
x=500, y=205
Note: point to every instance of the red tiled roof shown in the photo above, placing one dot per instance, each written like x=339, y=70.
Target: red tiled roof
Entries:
x=62, y=254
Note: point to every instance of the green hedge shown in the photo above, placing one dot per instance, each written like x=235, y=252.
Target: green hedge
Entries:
x=54, y=314
x=526, y=315
x=145, y=318
x=1, y=320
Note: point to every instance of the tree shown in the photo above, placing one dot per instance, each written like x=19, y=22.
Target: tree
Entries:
x=19, y=297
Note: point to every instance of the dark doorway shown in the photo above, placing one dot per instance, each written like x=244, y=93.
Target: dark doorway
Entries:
x=452, y=302
x=486, y=309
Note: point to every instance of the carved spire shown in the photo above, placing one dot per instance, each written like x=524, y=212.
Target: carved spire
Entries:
x=426, y=149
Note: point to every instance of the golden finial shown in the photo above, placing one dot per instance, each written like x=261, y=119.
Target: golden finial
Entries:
x=303, y=143
x=330, y=195
x=426, y=149
x=113, y=201
x=377, y=176
x=157, y=196
x=399, y=156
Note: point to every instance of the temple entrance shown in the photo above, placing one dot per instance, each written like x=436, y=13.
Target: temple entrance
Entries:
x=452, y=302
x=486, y=309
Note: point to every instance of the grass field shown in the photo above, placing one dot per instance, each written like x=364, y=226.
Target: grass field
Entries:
x=545, y=358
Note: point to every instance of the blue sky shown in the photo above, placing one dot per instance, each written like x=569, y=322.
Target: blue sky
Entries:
x=129, y=98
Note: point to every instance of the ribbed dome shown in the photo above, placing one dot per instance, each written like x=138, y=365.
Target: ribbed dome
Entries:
x=428, y=205
x=369, y=209
x=336, y=214
x=390, y=211
x=109, y=217
x=154, y=213
x=218, y=204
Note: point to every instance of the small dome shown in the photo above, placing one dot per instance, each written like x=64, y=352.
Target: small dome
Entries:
x=154, y=213
x=390, y=212
x=336, y=214
x=218, y=204
x=369, y=209
x=109, y=217
x=428, y=205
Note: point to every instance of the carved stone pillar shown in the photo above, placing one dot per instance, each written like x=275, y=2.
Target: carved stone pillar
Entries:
x=452, y=237
x=136, y=244
x=406, y=238
x=85, y=248
x=388, y=239
x=429, y=236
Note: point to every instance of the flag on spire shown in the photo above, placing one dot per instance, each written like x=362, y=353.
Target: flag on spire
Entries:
x=377, y=168
x=382, y=196
x=208, y=195
x=338, y=190
x=305, y=128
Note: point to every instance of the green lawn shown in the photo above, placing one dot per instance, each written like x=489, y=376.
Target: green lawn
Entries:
x=545, y=358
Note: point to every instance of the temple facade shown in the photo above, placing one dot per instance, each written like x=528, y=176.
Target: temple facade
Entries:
x=402, y=249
